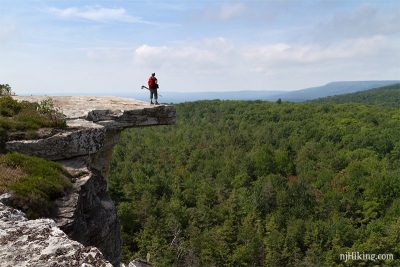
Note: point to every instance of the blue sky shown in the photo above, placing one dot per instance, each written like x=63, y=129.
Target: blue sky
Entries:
x=111, y=47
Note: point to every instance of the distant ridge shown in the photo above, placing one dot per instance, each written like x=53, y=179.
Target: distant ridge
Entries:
x=387, y=95
x=330, y=89
x=333, y=88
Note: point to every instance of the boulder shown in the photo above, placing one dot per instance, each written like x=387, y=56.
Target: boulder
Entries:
x=40, y=242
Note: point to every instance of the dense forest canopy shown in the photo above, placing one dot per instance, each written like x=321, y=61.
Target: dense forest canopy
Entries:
x=239, y=183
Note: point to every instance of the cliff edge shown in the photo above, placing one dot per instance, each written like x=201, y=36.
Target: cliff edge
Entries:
x=86, y=213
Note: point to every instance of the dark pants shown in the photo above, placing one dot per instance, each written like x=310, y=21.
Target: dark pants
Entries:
x=153, y=92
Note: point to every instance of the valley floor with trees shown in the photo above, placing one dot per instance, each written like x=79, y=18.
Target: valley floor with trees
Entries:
x=239, y=183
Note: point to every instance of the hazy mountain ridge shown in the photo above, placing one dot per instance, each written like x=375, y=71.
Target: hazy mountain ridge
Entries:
x=333, y=88
x=386, y=95
x=329, y=89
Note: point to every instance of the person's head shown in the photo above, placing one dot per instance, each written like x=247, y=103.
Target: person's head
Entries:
x=153, y=74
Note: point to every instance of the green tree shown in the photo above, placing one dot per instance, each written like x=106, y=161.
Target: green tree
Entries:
x=5, y=89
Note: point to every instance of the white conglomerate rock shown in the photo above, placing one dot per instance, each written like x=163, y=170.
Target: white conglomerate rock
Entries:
x=41, y=243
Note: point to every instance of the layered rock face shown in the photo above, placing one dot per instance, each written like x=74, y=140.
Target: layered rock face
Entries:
x=87, y=214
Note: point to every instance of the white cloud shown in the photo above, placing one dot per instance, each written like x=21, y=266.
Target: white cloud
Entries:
x=283, y=53
x=218, y=43
x=98, y=14
x=220, y=53
x=184, y=56
x=146, y=52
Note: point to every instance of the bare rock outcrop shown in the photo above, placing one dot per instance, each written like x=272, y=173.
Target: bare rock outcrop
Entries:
x=41, y=243
x=86, y=213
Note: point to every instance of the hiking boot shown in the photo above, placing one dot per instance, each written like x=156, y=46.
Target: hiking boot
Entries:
x=151, y=103
x=157, y=103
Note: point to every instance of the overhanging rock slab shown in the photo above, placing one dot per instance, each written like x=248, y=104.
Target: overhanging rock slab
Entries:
x=88, y=119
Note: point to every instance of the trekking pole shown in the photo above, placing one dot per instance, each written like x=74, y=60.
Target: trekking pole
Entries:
x=145, y=87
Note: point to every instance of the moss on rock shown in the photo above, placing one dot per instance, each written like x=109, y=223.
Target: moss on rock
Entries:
x=35, y=182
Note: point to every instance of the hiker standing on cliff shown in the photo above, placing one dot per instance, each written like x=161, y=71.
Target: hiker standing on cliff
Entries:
x=153, y=86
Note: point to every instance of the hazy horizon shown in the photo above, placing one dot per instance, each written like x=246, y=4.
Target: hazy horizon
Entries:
x=304, y=94
x=139, y=91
